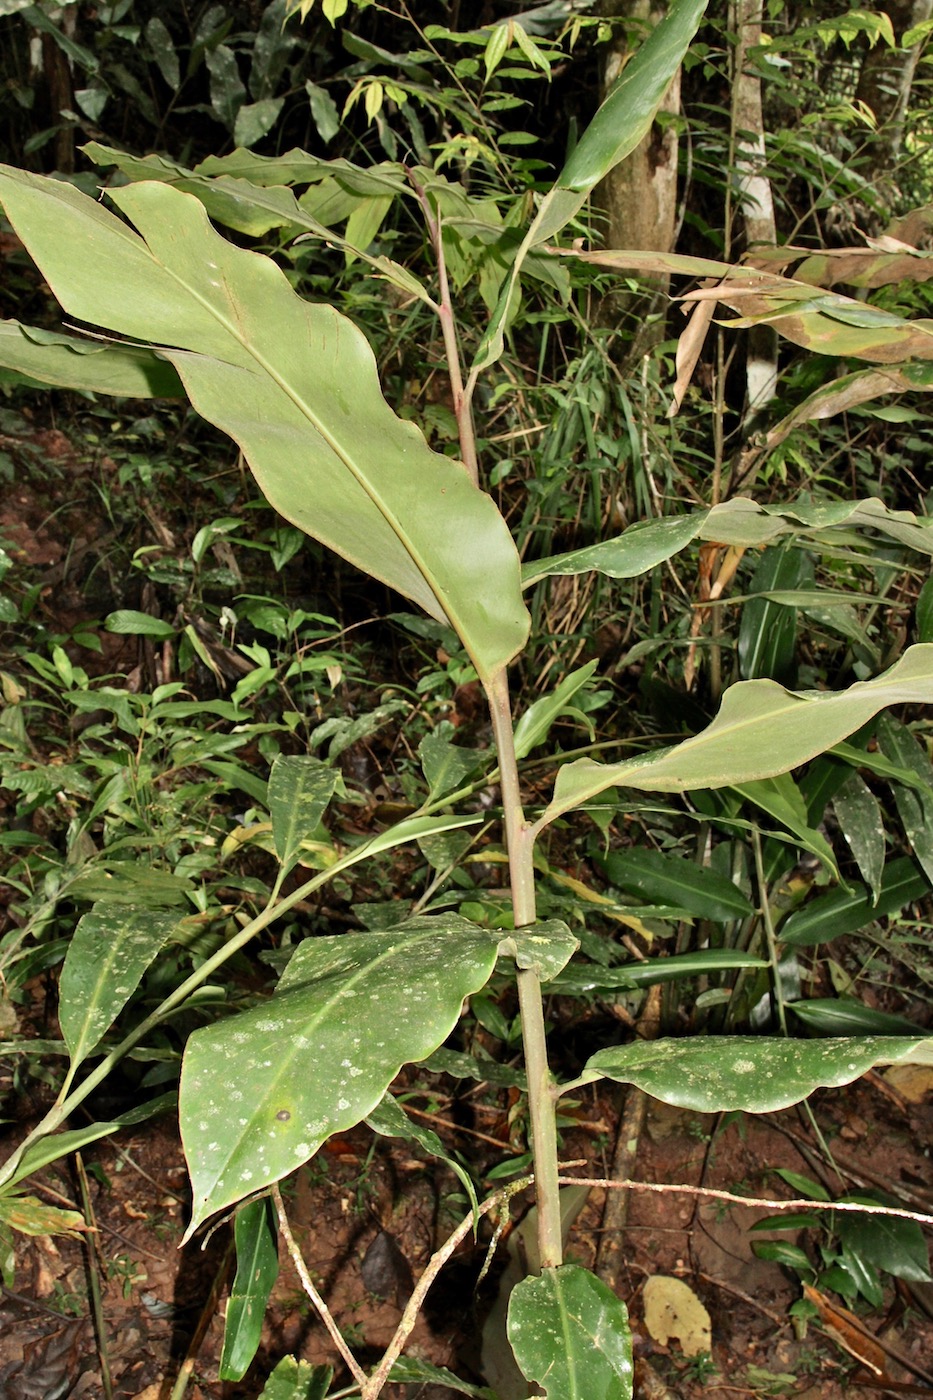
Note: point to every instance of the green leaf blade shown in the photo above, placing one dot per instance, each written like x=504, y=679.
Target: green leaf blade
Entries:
x=750, y=1073
x=262, y=1091
x=570, y=1335
x=108, y=954
x=300, y=788
x=257, y=1268
x=761, y=730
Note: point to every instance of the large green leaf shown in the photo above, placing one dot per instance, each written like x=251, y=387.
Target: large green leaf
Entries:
x=617, y=128
x=109, y=951
x=761, y=730
x=257, y=1268
x=262, y=1091
x=570, y=1335
x=781, y=798
x=751, y=1073
x=297, y=1380
x=767, y=643
x=295, y=385
x=68, y=362
x=577, y=979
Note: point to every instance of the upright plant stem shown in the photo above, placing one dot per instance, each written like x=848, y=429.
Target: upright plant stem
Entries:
x=541, y=1090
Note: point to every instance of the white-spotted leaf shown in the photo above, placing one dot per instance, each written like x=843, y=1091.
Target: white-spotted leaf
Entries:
x=754, y=1074
x=260, y=1092
x=300, y=788
x=570, y=1335
x=109, y=951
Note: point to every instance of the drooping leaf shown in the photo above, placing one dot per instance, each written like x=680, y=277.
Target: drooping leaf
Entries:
x=109, y=951
x=257, y=1268
x=767, y=643
x=413, y=1370
x=750, y=1073
x=887, y=1241
x=781, y=798
x=389, y=1119
x=841, y=912
x=570, y=1335
x=844, y=1016
x=69, y=362
x=300, y=788
x=295, y=385
x=262, y=1091
x=738, y=522
x=677, y=880
x=30, y=1216
x=57, y=1145
x=761, y=730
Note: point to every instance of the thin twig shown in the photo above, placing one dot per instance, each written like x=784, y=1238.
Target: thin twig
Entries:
x=851, y=1206
x=374, y=1385
x=307, y=1283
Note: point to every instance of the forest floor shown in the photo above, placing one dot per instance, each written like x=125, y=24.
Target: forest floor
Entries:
x=368, y=1217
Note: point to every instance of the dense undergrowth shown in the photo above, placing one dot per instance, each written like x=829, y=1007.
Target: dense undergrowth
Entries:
x=177, y=639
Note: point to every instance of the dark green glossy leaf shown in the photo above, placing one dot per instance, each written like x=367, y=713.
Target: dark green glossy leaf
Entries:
x=677, y=880
x=925, y=612
x=570, y=1335
x=260, y=1092
x=110, y=950
x=840, y=912
x=844, y=1016
x=886, y=1241
x=767, y=644
x=780, y=1252
x=750, y=1073
x=257, y=1268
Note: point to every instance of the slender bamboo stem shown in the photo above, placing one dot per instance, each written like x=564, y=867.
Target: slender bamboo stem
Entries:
x=542, y=1098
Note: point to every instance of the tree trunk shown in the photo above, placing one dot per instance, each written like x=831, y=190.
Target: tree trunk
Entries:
x=753, y=192
x=639, y=196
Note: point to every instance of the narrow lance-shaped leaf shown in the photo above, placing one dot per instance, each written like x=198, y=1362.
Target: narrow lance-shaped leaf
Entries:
x=109, y=951
x=761, y=730
x=570, y=1335
x=617, y=128
x=257, y=1268
x=295, y=385
x=300, y=788
x=262, y=1091
x=750, y=1073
